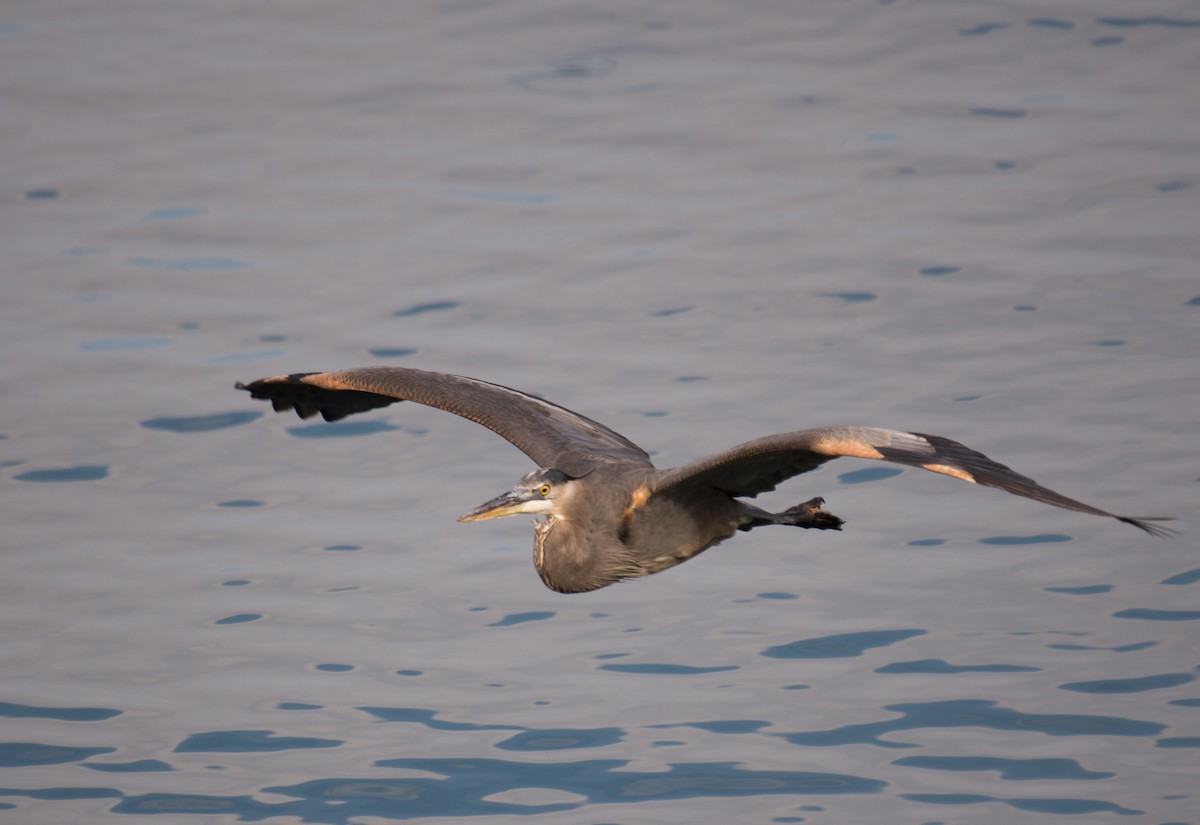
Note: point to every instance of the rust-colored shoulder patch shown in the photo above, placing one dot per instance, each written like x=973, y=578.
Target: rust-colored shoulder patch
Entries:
x=637, y=500
x=640, y=496
x=946, y=469
x=841, y=445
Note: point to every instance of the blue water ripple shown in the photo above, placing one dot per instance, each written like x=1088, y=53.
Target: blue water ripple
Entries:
x=839, y=646
x=1046, y=806
x=25, y=754
x=667, y=669
x=560, y=739
x=249, y=741
x=1050, y=23
x=391, y=352
x=201, y=423
x=1135, y=685
x=62, y=793
x=421, y=309
x=982, y=28
x=1172, y=186
x=1132, y=646
x=868, y=474
x=16, y=711
x=239, y=618
x=343, y=429
x=138, y=766
x=1010, y=769
x=245, y=807
x=1179, y=742
x=1083, y=590
x=173, y=214
x=849, y=297
x=1132, y=22
x=1150, y=614
x=465, y=787
x=604, y=781
x=724, y=726
x=427, y=718
x=1188, y=577
x=522, y=618
x=973, y=713
x=1043, y=538
x=84, y=472
x=942, y=666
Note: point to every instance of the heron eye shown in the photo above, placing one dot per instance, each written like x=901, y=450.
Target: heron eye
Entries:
x=544, y=490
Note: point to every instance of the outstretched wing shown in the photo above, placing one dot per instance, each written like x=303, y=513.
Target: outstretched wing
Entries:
x=758, y=466
x=551, y=435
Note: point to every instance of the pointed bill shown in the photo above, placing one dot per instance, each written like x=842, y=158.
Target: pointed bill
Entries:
x=510, y=504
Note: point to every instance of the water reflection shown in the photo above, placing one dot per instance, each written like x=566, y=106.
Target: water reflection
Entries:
x=477, y=786
x=974, y=713
x=16, y=711
x=249, y=741
x=1039, y=805
x=83, y=472
x=1008, y=769
x=841, y=645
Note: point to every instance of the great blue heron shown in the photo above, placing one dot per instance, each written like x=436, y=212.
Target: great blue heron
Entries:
x=610, y=514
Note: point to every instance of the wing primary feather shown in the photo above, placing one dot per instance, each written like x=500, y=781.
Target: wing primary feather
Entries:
x=960, y=461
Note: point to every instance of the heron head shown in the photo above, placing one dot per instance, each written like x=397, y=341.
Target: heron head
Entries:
x=536, y=494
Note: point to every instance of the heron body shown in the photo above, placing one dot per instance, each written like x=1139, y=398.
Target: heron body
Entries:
x=610, y=514
x=583, y=547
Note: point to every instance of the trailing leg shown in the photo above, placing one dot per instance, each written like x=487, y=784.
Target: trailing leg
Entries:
x=808, y=515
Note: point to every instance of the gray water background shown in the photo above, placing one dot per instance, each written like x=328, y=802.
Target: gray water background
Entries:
x=697, y=222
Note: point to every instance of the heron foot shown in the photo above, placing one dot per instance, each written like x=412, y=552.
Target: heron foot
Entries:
x=811, y=516
x=808, y=515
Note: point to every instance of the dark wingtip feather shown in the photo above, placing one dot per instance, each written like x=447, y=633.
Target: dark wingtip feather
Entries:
x=1143, y=523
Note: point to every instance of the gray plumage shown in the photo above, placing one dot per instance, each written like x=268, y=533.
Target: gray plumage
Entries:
x=610, y=514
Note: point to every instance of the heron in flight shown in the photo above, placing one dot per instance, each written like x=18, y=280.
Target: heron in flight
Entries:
x=610, y=514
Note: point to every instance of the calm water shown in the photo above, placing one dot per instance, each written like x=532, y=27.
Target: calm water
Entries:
x=696, y=222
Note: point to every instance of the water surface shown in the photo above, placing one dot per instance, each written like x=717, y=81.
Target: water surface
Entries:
x=696, y=222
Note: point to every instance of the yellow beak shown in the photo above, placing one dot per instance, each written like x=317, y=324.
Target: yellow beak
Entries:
x=511, y=503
